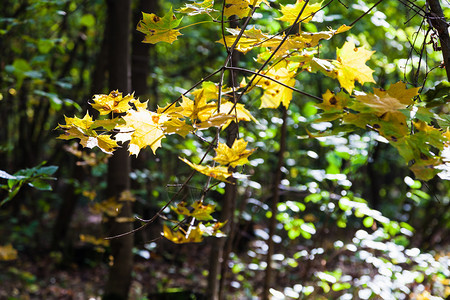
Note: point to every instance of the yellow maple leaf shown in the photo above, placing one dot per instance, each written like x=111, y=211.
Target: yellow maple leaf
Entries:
x=237, y=155
x=198, y=210
x=194, y=235
x=239, y=112
x=90, y=239
x=158, y=29
x=275, y=93
x=215, y=120
x=250, y=38
x=219, y=172
x=351, y=66
x=195, y=8
x=83, y=124
x=114, y=102
x=388, y=101
x=7, y=252
x=290, y=12
x=177, y=126
x=109, y=207
x=240, y=8
x=198, y=109
x=139, y=105
x=142, y=129
x=332, y=101
x=83, y=129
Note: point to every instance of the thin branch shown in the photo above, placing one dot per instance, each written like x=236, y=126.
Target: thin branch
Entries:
x=361, y=16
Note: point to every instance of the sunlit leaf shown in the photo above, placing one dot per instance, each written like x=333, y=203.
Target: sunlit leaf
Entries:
x=275, y=93
x=194, y=235
x=219, y=172
x=237, y=155
x=142, y=129
x=351, y=66
x=290, y=12
x=196, y=8
x=114, y=102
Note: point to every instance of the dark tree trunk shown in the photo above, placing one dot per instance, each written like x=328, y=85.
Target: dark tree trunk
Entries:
x=119, y=70
x=437, y=20
x=268, y=280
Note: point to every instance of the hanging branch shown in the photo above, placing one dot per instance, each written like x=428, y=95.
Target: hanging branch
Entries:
x=436, y=19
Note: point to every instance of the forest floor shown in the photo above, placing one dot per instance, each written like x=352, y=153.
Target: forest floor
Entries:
x=162, y=268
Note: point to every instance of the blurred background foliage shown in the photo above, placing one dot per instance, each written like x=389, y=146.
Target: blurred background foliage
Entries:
x=352, y=220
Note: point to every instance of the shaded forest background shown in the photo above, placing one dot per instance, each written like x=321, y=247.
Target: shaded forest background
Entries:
x=55, y=211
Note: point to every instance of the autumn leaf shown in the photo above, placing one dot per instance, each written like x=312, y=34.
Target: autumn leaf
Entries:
x=290, y=12
x=275, y=93
x=83, y=124
x=114, y=102
x=198, y=210
x=139, y=105
x=250, y=38
x=215, y=120
x=332, y=102
x=219, y=172
x=7, y=252
x=196, y=8
x=351, y=66
x=197, y=109
x=158, y=29
x=239, y=112
x=240, y=8
x=194, y=235
x=235, y=156
x=142, y=129
x=90, y=239
x=83, y=129
x=176, y=126
x=381, y=102
x=387, y=106
x=109, y=207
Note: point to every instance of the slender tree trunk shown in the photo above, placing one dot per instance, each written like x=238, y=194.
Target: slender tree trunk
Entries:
x=268, y=280
x=221, y=247
x=140, y=70
x=119, y=70
x=437, y=20
x=228, y=207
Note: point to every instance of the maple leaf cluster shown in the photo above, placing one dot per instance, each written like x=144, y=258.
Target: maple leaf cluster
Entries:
x=397, y=117
x=131, y=122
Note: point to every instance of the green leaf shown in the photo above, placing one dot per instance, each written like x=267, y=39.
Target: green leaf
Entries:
x=87, y=20
x=340, y=286
x=158, y=29
x=438, y=95
x=368, y=222
x=40, y=185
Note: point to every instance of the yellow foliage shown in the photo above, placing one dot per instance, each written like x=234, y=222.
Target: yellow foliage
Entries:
x=142, y=129
x=7, y=252
x=290, y=12
x=351, y=66
x=237, y=155
x=275, y=93
x=199, y=210
x=194, y=235
x=219, y=172
x=114, y=102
